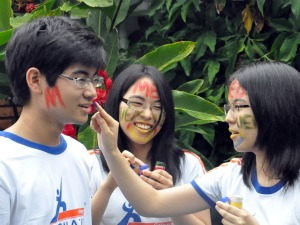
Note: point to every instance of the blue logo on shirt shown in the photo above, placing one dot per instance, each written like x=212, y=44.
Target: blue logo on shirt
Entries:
x=60, y=203
x=130, y=215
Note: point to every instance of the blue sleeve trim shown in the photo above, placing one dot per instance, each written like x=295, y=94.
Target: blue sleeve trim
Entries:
x=202, y=194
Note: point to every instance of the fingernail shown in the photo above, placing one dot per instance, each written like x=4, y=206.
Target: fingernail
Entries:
x=95, y=105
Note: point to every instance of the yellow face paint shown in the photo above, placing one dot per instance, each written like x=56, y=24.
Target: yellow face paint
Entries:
x=140, y=126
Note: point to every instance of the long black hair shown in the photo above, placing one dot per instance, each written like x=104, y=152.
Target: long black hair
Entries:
x=164, y=147
x=274, y=93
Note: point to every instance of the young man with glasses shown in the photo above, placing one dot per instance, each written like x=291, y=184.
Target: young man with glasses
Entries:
x=45, y=178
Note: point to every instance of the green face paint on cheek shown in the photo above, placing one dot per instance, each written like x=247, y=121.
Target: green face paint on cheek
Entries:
x=246, y=122
x=126, y=114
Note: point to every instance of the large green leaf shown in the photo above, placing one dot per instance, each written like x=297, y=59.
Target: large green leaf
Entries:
x=275, y=49
x=213, y=68
x=122, y=13
x=210, y=39
x=88, y=137
x=5, y=36
x=289, y=47
x=206, y=130
x=98, y=3
x=68, y=6
x=5, y=14
x=167, y=54
x=281, y=24
x=260, y=4
x=295, y=7
x=197, y=107
x=112, y=49
x=191, y=87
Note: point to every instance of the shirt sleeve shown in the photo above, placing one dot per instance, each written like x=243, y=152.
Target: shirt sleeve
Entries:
x=191, y=167
x=218, y=182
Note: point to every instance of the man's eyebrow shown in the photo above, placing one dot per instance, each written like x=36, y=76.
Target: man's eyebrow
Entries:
x=83, y=72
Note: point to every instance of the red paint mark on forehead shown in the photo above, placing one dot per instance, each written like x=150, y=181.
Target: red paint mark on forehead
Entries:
x=236, y=90
x=51, y=95
x=148, y=88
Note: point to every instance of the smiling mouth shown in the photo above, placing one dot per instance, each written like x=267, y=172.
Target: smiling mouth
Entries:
x=143, y=126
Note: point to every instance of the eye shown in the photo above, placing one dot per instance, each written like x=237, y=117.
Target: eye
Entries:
x=157, y=107
x=80, y=81
x=236, y=106
x=95, y=80
x=136, y=104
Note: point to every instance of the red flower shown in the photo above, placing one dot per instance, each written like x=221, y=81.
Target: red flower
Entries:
x=30, y=7
x=102, y=93
x=70, y=130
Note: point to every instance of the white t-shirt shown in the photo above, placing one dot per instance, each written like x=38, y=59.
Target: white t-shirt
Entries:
x=120, y=212
x=269, y=205
x=42, y=185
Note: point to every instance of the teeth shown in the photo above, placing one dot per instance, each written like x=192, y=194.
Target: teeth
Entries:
x=143, y=126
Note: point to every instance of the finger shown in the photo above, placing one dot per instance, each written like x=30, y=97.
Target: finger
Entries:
x=228, y=212
x=132, y=159
x=94, y=124
x=157, y=181
x=163, y=173
x=109, y=121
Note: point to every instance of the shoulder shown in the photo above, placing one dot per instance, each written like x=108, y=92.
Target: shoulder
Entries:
x=231, y=167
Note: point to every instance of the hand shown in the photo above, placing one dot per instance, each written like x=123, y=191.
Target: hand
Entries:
x=133, y=161
x=110, y=182
x=234, y=215
x=158, y=179
x=107, y=130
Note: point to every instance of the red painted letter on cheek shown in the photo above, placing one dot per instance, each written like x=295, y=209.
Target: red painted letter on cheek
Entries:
x=51, y=94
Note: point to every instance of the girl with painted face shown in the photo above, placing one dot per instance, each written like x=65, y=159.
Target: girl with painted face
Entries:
x=263, y=115
x=141, y=100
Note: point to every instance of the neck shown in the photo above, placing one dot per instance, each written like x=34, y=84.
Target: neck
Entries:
x=36, y=129
x=141, y=151
x=265, y=174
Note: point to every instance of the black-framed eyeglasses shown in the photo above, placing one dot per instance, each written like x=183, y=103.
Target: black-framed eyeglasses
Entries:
x=234, y=107
x=83, y=82
x=140, y=106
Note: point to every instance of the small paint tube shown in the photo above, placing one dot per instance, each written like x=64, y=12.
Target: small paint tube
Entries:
x=237, y=201
x=160, y=166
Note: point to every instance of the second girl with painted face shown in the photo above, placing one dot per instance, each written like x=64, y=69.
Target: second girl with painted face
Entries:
x=141, y=100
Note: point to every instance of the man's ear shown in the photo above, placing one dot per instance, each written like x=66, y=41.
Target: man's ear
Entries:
x=35, y=80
